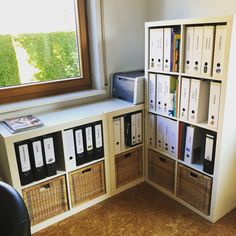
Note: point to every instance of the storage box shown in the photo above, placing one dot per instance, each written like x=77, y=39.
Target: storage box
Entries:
x=194, y=188
x=129, y=86
x=128, y=166
x=161, y=170
x=46, y=200
x=87, y=183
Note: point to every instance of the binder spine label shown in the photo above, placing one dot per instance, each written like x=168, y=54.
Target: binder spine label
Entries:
x=98, y=135
x=24, y=158
x=79, y=141
x=38, y=154
x=89, y=138
x=49, y=150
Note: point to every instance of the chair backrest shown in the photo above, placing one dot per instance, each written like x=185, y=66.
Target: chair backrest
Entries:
x=14, y=217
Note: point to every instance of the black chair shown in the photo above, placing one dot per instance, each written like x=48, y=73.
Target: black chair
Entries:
x=14, y=217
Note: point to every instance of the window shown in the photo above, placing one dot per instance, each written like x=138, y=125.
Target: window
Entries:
x=43, y=48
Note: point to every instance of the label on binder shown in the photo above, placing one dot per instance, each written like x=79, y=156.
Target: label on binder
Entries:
x=79, y=141
x=38, y=154
x=98, y=135
x=49, y=150
x=89, y=138
x=24, y=158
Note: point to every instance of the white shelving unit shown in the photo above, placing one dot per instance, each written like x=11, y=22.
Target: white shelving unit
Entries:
x=223, y=195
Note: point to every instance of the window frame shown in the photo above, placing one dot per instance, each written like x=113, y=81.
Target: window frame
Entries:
x=30, y=91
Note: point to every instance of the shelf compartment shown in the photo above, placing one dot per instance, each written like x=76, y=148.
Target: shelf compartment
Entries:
x=87, y=183
x=128, y=166
x=46, y=200
x=161, y=170
x=194, y=188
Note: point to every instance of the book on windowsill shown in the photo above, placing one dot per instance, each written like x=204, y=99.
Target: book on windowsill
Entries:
x=22, y=123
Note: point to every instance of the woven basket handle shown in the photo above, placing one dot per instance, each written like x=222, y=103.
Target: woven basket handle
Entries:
x=87, y=170
x=44, y=187
x=193, y=175
x=162, y=159
x=127, y=155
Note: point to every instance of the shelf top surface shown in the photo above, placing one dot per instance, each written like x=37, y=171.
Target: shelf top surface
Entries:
x=75, y=113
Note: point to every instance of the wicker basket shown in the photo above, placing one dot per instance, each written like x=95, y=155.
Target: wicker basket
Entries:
x=128, y=166
x=46, y=200
x=161, y=170
x=87, y=183
x=194, y=188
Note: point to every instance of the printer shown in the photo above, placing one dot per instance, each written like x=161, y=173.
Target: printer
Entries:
x=129, y=86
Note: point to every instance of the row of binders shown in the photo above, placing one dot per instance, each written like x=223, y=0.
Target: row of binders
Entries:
x=127, y=131
x=163, y=94
x=164, y=49
x=204, y=50
x=36, y=158
x=83, y=144
x=200, y=101
x=196, y=144
x=163, y=134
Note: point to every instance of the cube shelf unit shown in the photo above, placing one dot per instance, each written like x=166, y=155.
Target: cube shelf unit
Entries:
x=223, y=193
x=94, y=176
x=127, y=154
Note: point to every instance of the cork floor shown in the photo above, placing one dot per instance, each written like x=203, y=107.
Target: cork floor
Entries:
x=141, y=210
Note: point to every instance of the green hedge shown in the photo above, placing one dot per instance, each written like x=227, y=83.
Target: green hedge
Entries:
x=54, y=54
x=9, y=74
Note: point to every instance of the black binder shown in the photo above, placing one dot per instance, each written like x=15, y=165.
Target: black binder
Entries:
x=89, y=142
x=49, y=154
x=23, y=162
x=79, y=139
x=98, y=140
x=37, y=159
x=209, y=157
x=128, y=135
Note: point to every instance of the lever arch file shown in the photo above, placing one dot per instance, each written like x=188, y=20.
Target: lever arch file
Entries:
x=98, y=135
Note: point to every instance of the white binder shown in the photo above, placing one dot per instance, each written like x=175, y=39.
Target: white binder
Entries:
x=160, y=93
x=167, y=49
x=173, y=137
x=69, y=149
x=214, y=104
x=188, y=63
x=193, y=144
x=220, y=41
x=138, y=128
x=166, y=135
x=184, y=100
x=152, y=92
x=160, y=132
x=207, y=50
x=156, y=49
x=199, y=101
x=122, y=133
x=152, y=130
x=133, y=129
x=117, y=135
x=197, y=49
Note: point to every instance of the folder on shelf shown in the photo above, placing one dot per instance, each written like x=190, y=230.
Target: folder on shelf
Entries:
x=172, y=137
x=23, y=162
x=220, y=41
x=166, y=135
x=160, y=83
x=207, y=50
x=193, y=144
x=199, y=100
x=209, y=156
x=133, y=129
x=152, y=92
x=50, y=157
x=214, y=104
x=79, y=134
x=181, y=140
x=197, y=49
x=117, y=135
x=184, y=100
x=37, y=159
x=156, y=49
x=188, y=63
x=69, y=149
x=98, y=135
x=129, y=120
x=160, y=132
x=176, y=49
x=122, y=133
x=152, y=130
x=138, y=128
x=89, y=142
x=167, y=49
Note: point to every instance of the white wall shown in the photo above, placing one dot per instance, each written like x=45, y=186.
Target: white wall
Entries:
x=179, y=9
x=123, y=22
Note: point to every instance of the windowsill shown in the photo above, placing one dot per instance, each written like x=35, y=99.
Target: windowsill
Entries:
x=57, y=99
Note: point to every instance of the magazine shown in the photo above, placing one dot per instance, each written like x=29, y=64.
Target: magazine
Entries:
x=23, y=123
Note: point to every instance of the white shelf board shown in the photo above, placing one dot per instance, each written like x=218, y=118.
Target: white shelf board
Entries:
x=169, y=117
x=200, y=77
x=164, y=72
x=203, y=125
x=127, y=149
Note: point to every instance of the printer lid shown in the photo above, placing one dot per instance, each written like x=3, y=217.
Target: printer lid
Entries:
x=130, y=74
